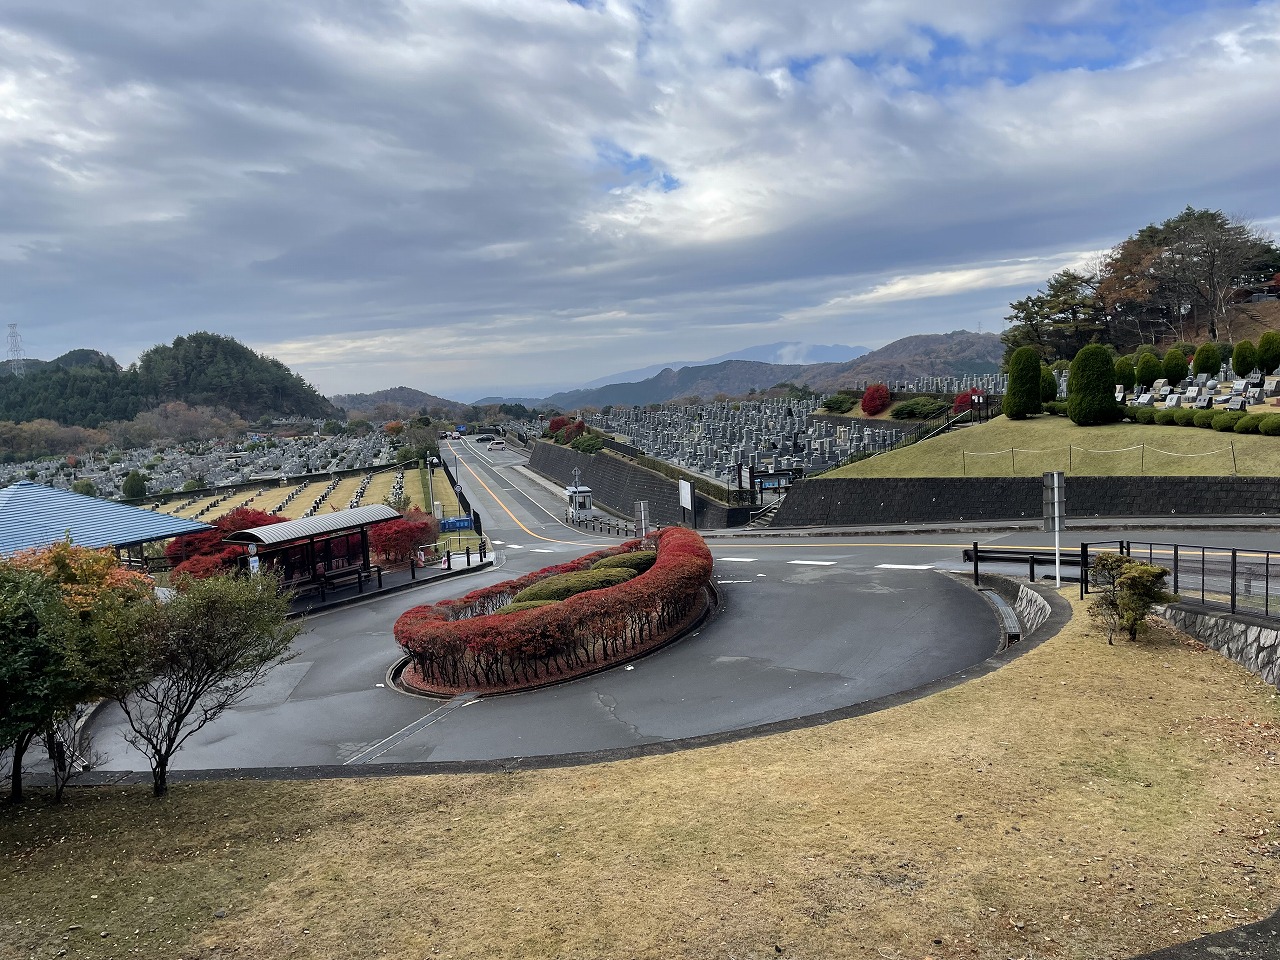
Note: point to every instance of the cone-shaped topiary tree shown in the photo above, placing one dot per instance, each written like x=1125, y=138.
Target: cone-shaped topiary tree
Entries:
x=1175, y=366
x=1244, y=358
x=1207, y=360
x=1091, y=396
x=1022, y=399
x=1125, y=375
x=1269, y=352
x=1148, y=370
x=1048, y=384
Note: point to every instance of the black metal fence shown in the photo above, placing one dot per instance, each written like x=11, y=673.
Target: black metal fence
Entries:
x=1229, y=578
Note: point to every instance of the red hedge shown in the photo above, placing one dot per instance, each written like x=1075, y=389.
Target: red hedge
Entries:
x=209, y=542
x=395, y=540
x=455, y=643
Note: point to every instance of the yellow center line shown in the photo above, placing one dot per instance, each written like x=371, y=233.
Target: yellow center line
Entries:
x=514, y=519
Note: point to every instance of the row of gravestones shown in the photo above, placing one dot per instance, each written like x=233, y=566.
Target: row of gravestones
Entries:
x=718, y=439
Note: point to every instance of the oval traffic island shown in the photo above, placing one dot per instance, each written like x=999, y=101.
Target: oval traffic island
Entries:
x=560, y=622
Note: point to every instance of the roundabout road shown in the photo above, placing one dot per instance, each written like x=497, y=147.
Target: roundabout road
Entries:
x=805, y=625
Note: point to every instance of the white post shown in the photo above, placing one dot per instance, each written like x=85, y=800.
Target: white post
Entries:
x=1057, y=528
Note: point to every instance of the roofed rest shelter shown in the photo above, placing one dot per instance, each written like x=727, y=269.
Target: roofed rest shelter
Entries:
x=320, y=552
x=33, y=515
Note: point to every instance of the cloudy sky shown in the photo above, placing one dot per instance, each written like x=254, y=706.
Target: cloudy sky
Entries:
x=511, y=196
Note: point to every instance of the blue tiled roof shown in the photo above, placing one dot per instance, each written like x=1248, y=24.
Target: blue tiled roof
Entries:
x=32, y=515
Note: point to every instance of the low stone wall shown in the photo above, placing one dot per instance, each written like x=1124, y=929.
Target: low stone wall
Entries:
x=854, y=501
x=618, y=484
x=1252, y=643
x=1032, y=609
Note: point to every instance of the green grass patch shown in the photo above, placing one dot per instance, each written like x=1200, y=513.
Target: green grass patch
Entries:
x=1028, y=448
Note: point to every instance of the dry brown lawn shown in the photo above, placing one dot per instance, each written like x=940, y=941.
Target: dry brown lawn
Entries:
x=1084, y=801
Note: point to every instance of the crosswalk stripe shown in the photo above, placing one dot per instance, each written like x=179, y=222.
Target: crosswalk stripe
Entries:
x=738, y=559
x=904, y=566
x=814, y=563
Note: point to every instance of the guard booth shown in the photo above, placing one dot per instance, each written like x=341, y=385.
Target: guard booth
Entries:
x=579, y=503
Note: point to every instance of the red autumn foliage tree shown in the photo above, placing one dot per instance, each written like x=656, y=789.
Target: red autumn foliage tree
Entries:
x=208, y=543
x=395, y=540
x=875, y=399
x=967, y=400
x=557, y=424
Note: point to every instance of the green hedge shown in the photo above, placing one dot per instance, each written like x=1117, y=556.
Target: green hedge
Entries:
x=1204, y=418
x=566, y=585
x=1145, y=415
x=1226, y=421
x=1185, y=416
x=1270, y=426
x=1167, y=418
x=639, y=561
x=524, y=605
x=1249, y=423
x=1056, y=407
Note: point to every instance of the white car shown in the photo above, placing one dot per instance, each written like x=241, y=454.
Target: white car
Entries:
x=497, y=445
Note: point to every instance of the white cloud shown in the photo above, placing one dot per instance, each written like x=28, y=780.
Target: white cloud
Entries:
x=531, y=192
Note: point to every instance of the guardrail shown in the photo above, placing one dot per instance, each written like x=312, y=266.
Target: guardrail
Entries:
x=1230, y=578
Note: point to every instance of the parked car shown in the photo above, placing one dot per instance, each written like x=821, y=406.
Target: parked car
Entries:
x=498, y=445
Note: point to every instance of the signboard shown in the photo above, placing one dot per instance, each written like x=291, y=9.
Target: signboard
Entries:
x=1054, y=500
x=453, y=524
x=254, y=565
x=686, y=494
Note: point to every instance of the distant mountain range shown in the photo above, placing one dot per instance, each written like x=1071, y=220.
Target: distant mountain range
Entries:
x=784, y=352
x=926, y=355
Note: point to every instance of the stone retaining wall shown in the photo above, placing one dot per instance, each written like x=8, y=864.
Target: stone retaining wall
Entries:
x=854, y=501
x=1252, y=643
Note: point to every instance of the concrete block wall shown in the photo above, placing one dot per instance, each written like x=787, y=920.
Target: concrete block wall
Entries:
x=617, y=484
x=854, y=501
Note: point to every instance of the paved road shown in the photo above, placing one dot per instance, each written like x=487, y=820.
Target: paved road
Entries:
x=807, y=624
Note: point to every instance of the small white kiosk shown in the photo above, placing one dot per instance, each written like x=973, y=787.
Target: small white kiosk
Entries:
x=579, y=499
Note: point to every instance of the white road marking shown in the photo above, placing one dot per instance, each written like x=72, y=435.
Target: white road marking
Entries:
x=814, y=563
x=515, y=546
x=904, y=566
x=738, y=559
x=498, y=543
x=541, y=550
x=732, y=581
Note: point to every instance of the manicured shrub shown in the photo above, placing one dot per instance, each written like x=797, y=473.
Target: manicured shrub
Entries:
x=1184, y=348
x=875, y=400
x=523, y=605
x=1175, y=366
x=1225, y=422
x=639, y=561
x=570, y=584
x=1125, y=374
x=1269, y=352
x=1204, y=418
x=1091, y=398
x=1148, y=370
x=839, y=403
x=1249, y=423
x=919, y=408
x=395, y=540
x=588, y=443
x=1145, y=415
x=1270, y=425
x=1145, y=350
x=1048, y=385
x=1244, y=358
x=1167, y=418
x=1022, y=398
x=1056, y=407
x=1185, y=416
x=1208, y=359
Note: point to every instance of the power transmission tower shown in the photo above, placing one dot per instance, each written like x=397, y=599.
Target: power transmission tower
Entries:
x=16, y=362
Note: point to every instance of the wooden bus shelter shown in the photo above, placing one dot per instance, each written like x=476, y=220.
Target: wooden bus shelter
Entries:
x=322, y=552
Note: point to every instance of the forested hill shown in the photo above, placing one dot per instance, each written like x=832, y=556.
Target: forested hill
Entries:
x=202, y=369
